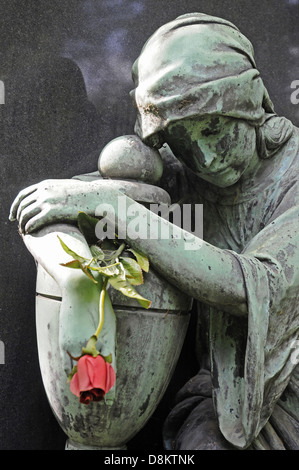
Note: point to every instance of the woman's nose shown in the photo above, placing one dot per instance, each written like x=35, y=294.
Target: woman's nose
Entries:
x=205, y=155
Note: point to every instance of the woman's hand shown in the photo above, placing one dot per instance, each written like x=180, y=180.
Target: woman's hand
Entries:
x=50, y=201
x=53, y=201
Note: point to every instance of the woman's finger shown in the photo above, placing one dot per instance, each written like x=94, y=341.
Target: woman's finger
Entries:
x=28, y=213
x=27, y=201
x=22, y=195
x=37, y=221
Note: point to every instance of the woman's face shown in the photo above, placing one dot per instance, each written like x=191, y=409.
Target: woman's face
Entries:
x=216, y=148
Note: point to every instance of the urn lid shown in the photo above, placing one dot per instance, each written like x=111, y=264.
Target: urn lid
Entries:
x=127, y=157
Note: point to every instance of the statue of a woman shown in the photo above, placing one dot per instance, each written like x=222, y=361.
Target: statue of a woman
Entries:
x=198, y=90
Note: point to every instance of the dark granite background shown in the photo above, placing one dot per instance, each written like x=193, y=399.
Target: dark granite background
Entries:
x=66, y=66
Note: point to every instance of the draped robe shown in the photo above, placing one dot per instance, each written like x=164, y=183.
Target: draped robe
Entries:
x=253, y=361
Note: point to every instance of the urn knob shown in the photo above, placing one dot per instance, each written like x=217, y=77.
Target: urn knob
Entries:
x=127, y=157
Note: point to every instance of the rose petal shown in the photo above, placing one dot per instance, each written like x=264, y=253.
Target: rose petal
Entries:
x=110, y=377
x=98, y=394
x=86, y=398
x=83, y=376
x=74, y=385
x=99, y=373
x=94, y=378
x=87, y=367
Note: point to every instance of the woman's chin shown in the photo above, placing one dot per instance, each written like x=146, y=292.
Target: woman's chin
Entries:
x=222, y=179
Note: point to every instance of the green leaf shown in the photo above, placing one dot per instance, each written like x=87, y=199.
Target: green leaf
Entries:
x=88, y=274
x=97, y=253
x=71, y=252
x=119, y=250
x=107, y=358
x=108, y=271
x=78, y=263
x=72, y=373
x=142, y=259
x=87, y=225
x=121, y=284
x=75, y=264
x=133, y=271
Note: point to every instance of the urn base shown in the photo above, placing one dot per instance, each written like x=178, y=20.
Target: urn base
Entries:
x=71, y=445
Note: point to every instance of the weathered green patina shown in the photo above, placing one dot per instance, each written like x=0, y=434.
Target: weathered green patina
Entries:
x=198, y=90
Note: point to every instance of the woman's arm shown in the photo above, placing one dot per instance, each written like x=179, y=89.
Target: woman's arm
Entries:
x=205, y=272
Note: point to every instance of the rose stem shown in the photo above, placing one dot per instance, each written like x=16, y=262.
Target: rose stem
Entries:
x=103, y=293
x=101, y=307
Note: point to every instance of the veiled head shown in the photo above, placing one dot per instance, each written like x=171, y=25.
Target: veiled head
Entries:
x=193, y=66
x=197, y=70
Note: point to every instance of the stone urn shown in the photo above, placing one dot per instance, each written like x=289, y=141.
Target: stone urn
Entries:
x=148, y=345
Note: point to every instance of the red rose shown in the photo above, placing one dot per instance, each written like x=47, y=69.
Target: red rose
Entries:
x=93, y=379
